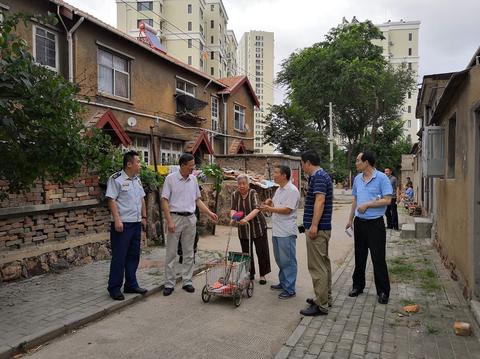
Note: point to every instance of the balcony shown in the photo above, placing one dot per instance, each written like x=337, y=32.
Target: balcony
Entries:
x=188, y=108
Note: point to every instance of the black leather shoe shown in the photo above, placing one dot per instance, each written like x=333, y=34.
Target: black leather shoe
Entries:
x=167, y=291
x=312, y=301
x=137, y=290
x=262, y=281
x=355, y=292
x=117, y=296
x=312, y=311
x=188, y=288
x=383, y=298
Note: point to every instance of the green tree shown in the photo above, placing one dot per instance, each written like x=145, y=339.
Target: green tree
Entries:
x=40, y=120
x=349, y=70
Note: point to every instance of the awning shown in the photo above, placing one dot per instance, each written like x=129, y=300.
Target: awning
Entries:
x=237, y=147
x=201, y=141
x=106, y=121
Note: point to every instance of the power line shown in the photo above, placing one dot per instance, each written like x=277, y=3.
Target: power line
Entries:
x=271, y=86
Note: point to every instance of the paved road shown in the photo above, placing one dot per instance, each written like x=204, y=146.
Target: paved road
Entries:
x=182, y=326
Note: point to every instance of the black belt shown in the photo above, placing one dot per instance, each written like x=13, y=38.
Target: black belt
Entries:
x=368, y=220
x=183, y=214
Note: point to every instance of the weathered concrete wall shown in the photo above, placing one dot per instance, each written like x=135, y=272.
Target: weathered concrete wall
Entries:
x=455, y=195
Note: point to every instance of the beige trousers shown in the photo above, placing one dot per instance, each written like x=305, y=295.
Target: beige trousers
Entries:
x=185, y=228
x=320, y=269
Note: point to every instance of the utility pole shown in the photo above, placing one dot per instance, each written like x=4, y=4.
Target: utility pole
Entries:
x=330, y=138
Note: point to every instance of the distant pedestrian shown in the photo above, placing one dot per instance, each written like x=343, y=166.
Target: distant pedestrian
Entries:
x=372, y=192
x=283, y=207
x=245, y=199
x=127, y=204
x=317, y=220
x=391, y=212
x=180, y=197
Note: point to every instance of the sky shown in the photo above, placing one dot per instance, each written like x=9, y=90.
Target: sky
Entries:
x=449, y=32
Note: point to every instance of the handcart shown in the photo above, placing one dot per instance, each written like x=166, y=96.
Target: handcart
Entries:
x=229, y=277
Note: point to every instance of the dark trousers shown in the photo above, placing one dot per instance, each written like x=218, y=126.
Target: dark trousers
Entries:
x=125, y=257
x=263, y=254
x=370, y=235
x=392, y=215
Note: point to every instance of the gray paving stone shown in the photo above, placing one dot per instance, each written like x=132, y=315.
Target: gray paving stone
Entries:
x=42, y=306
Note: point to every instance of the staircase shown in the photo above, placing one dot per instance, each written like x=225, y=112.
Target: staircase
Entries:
x=420, y=228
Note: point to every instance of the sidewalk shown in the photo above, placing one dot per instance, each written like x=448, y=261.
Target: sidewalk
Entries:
x=362, y=328
x=41, y=308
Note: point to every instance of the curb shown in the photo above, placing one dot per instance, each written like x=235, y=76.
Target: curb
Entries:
x=285, y=350
x=76, y=321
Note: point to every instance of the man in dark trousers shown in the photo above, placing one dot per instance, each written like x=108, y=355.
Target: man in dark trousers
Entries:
x=127, y=204
x=372, y=193
x=391, y=212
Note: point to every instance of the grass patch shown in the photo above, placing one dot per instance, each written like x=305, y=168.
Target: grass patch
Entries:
x=416, y=271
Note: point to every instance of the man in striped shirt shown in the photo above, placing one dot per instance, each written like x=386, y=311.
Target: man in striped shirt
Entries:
x=317, y=220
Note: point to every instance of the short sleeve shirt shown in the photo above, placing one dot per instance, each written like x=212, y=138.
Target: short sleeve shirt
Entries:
x=319, y=182
x=376, y=188
x=181, y=193
x=285, y=225
x=127, y=193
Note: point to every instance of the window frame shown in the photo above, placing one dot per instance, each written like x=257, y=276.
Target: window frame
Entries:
x=175, y=154
x=240, y=110
x=140, y=3
x=214, y=117
x=184, y=91
x=128, y=73
x=34, y=47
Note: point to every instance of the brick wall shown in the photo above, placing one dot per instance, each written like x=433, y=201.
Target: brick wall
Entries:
x=52, y=212
x=83, y=188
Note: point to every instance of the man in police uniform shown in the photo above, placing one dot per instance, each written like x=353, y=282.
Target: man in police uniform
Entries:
x=127, y=204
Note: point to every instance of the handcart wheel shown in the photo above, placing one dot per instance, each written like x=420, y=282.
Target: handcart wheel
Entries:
x=249, y=289
x=205, y=295
x=237, y=298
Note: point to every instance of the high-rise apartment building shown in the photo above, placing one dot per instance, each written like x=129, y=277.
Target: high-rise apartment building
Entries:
x=194, y=31
x=400, y=46
x=255, y=58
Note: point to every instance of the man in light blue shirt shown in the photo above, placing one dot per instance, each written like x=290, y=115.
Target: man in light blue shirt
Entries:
x=126, y=201
x=372, y=193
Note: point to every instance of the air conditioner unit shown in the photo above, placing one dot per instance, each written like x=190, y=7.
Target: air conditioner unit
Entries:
x=433, y=151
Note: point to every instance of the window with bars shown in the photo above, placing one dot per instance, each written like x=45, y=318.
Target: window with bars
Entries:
x=145, y=21
x=46, y=48
x=144, y=5
x=113, y=74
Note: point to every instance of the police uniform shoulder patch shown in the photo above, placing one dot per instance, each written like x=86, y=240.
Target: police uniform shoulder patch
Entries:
x=116, y=175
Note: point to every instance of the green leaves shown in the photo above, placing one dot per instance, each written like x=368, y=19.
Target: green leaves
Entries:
x=42, y=134
x=349, y=70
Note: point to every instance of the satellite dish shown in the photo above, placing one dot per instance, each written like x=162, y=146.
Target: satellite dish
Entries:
x=131, y=121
